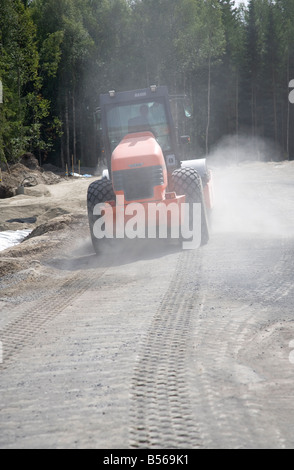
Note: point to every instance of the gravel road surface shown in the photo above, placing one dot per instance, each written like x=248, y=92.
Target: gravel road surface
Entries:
x=148, y=346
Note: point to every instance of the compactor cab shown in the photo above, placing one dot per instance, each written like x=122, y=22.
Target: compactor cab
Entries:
x=146, y=170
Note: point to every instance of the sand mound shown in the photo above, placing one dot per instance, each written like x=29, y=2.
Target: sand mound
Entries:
x=27, y=173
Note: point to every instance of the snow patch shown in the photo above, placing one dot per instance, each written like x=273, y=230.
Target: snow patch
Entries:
x=10, y=238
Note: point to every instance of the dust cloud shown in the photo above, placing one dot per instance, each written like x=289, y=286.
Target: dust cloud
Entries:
x=254, y=189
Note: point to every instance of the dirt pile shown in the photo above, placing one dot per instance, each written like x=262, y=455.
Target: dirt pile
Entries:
x=26, y=173
x=52, y=212
x=45, y=238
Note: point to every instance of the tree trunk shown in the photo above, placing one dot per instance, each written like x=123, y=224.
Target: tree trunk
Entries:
x=81, y=132
x=275, y=106
x=67, y=152
x=74, y=134
x=237, y=116
x=62, y=152
x=208, y=104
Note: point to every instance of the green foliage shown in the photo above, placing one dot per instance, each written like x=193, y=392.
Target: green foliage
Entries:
x=56, y=56
x=201, y=34
x=50, y=54
x=23, y=107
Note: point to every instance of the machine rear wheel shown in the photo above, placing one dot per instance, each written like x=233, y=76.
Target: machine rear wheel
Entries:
x=187, y=181
x=99, y=191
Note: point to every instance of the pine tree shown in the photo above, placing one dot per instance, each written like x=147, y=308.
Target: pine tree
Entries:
x=23, y=107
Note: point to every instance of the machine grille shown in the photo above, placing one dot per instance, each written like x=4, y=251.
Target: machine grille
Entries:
x=138, y=183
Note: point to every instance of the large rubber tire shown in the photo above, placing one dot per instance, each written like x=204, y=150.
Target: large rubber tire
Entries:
x=98, y=191
x=187, y=181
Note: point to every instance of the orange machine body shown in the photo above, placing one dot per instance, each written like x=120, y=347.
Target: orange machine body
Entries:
x=137, y=158
x=139, y=175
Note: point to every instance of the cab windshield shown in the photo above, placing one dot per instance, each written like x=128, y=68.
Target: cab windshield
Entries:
x=126, y=118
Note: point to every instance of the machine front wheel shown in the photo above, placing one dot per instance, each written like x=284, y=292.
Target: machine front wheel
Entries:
x=188, y=182
x=98, y=192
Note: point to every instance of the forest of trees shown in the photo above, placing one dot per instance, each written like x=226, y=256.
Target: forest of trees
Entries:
x=57, y=56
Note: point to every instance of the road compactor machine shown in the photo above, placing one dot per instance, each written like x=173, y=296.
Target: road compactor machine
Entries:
x=147, y=168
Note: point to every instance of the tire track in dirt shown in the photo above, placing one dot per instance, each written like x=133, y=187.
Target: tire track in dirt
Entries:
x=160, y=410
x=231, y=379
x=192, y=386
x=17, y=333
